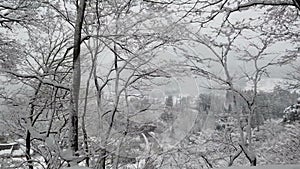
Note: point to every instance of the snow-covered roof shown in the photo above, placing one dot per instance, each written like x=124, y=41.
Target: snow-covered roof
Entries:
x=8, y=144
x=11, y=150
x=5, y=153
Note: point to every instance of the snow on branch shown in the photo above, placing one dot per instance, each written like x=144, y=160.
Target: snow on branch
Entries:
x=264, y=3
x=44, y=81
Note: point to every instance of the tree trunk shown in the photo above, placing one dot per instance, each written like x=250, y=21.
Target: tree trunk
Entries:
x=248, y=149
x=235, y=156
x=102, y=159
x=27, y=151
x=85, y=135
x=73, y=117
x=249, y=154
x=30, y=125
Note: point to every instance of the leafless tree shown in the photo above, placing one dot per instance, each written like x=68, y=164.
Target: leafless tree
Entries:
x=227, y=47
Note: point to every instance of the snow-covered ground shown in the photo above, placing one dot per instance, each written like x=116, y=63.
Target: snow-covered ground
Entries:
x=77, y=167
x=267, y=167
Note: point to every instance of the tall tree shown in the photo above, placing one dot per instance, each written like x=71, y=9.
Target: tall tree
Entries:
x=73, y=117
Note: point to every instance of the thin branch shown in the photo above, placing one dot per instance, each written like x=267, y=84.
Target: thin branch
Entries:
x=44, y=81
